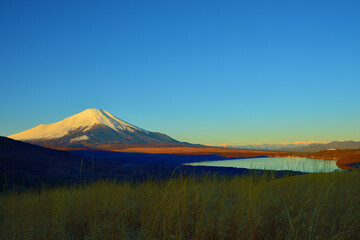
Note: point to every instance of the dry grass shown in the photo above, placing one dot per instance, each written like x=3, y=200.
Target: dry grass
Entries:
x=343, y=156
x=314, y=206
x=224, y=152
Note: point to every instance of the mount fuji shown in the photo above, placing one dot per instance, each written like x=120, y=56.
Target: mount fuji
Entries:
x=94, y=129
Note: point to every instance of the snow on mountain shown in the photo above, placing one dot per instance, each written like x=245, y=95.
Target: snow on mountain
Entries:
x=81, y=121
x=94, y=129
x=81, y=138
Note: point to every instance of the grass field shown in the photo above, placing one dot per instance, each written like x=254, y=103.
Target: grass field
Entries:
x=312, y=206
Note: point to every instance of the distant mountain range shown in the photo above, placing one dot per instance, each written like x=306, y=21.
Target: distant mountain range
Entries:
x=94, y=129
x=300, y=146
x=316, y=147
x=270, y=146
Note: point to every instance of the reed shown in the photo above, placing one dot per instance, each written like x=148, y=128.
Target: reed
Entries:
x=312, y=206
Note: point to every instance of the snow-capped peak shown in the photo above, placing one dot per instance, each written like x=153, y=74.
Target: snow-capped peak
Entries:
x=84, y=121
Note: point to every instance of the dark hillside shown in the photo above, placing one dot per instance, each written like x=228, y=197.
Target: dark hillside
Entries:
x=24, y=165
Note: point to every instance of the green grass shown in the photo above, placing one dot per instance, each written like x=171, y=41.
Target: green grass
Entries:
x=312, y=206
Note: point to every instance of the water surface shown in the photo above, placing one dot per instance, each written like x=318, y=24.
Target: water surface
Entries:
x=285, y=163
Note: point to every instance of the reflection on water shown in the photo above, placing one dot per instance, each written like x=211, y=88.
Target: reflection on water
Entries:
x=285, y=163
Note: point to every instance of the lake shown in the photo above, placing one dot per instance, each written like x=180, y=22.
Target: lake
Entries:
x=285, y=163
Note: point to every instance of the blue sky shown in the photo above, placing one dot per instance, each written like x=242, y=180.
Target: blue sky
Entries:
x=211, y=72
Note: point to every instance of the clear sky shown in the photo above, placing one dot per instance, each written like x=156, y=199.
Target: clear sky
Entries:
x=210, y=72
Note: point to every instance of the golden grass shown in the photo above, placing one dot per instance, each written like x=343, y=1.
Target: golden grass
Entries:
x=224, y=152
x=343, y=156
x=313, y=206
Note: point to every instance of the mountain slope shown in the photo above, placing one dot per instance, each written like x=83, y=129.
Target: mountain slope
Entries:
x=94, y=128
x=27, y=164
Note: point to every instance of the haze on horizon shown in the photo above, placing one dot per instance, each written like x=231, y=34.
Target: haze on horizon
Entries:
x=206, y=72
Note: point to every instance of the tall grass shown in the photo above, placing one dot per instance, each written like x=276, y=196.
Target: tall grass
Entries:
x=313, y=206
